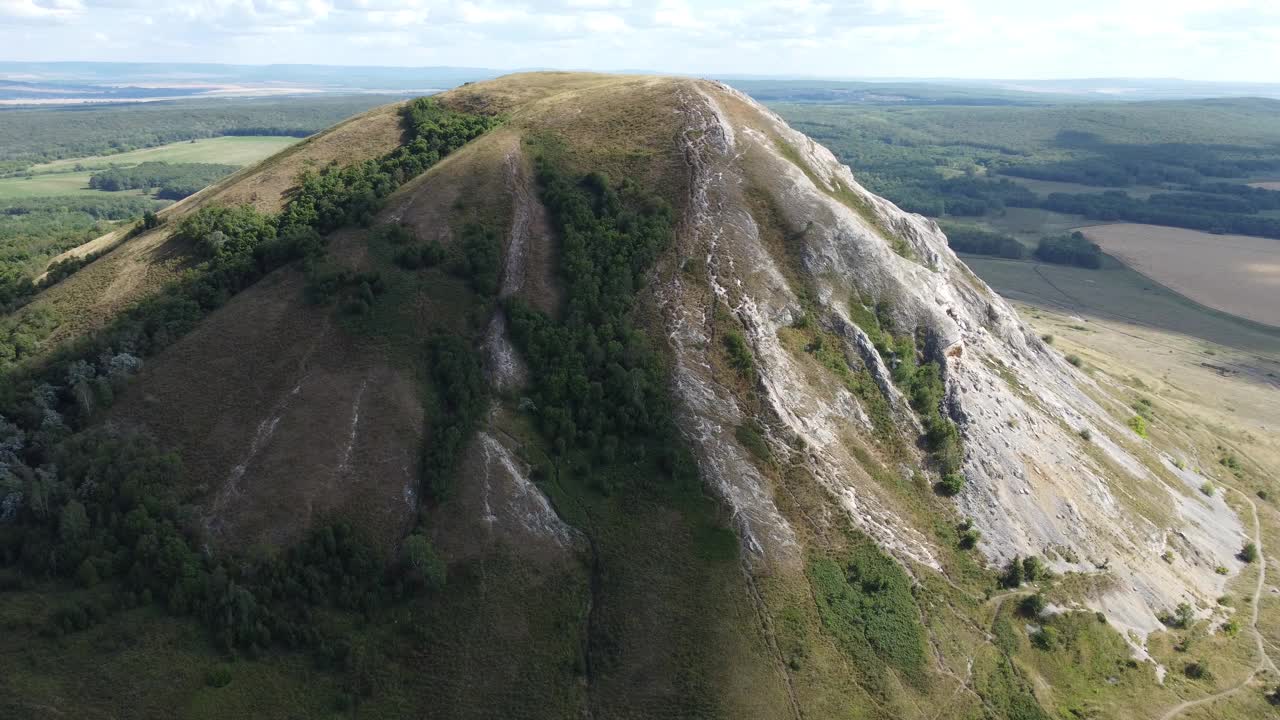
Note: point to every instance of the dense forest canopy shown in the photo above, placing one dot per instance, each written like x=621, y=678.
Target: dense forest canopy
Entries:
x=30, y=136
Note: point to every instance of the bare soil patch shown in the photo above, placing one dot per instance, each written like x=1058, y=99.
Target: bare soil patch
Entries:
x=1237, y=274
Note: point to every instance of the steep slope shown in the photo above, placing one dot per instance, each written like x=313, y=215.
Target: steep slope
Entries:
x=136, y=266
x=711, y=416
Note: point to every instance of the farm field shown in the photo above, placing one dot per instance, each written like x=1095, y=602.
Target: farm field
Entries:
x=1237, y=274
x=60, y=178
x=1117, y=293
x=52, y=184
x=228, y=150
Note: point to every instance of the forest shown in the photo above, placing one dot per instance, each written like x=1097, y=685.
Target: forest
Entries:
x=171, y=181
x=1176, y=163
x=29, y=136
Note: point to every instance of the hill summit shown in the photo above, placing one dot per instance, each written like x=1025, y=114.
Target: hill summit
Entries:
x=686, y=421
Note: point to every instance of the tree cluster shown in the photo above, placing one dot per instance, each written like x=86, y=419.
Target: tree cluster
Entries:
x=975, y=241
x=1074, y=249
x=598, y=385
x=171, y=181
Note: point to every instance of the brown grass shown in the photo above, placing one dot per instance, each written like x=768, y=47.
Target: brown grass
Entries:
x=274, y=385
x=1237, y=274
x=140, y=266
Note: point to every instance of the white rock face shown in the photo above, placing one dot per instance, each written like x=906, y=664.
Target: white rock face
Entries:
x=1034, y=486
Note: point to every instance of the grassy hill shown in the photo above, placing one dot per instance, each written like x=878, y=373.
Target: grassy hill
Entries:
x=564, y=395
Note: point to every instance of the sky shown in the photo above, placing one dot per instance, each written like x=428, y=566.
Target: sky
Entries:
x=1220, y=40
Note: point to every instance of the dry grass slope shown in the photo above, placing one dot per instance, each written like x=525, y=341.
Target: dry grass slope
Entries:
x=142, y=265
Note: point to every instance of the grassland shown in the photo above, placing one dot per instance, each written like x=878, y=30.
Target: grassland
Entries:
x=71, y=177
x=1213, y=402
x=228, y=150
x=1233, y=273
x=51, y=185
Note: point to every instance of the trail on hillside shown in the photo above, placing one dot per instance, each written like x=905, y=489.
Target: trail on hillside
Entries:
x=1264, y=660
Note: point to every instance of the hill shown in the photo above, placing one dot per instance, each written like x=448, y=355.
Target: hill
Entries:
x=568, y=395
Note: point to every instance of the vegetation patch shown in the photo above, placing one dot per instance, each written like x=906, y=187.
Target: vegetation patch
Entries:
x=170, y=181
x=90, y=506
x=865, y=602
x=598, y=384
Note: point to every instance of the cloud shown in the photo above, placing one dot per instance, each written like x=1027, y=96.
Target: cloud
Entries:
x=976, y=38
x=40, y=10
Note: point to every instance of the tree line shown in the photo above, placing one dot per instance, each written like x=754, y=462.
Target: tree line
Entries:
x=29, y=136
x=172, y=181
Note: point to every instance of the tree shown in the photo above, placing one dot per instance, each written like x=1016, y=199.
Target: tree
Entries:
x=1184, y=615
x=87, y=575
x=423, y=566
x=1033, y=605
x=1013, y=573
x=73, y=523
x=1033, y=569
x=150, y=220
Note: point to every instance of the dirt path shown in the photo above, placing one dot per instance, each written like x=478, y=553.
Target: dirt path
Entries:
x=1264, y=660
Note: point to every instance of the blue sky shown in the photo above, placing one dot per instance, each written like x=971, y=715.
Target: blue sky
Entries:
x=1192, y=39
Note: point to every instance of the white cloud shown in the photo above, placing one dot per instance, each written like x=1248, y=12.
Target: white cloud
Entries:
x=977, y=38
x=40, y=10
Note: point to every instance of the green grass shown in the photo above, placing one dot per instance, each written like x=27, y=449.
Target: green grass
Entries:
x=62, y=178
x=230, y=150
x=51, y=184
x=864, y=600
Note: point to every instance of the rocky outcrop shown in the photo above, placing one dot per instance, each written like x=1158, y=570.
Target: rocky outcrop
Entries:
x=1035, y=485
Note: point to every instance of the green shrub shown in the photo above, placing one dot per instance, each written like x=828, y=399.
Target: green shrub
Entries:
x=740, y=357
x=1033, y=569
x=1197, y=670
x=1138, y=424
x=1032, y=605
x=219, y=676
x=1208, y=489
x=1013, y=575
x=1048, y=339
x=1249, y=552
x=1086, y=434
x=951, y=484
x=865, y=602
x=481, y=259
x=1046, y=638
x=598, y=384
x=749, y=434
x=1075, y=360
